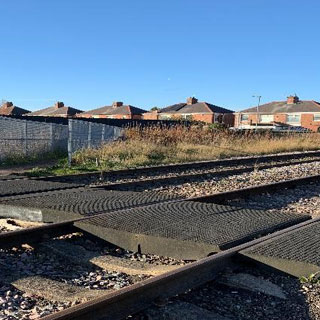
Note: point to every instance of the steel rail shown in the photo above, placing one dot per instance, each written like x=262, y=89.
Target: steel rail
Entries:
x=117, y=305
x=36, y=234
x=145, y=182
x=185, y=165
x=181, y=178
x=221, y=197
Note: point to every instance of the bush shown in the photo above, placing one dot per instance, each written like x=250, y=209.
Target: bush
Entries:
x=156, y=145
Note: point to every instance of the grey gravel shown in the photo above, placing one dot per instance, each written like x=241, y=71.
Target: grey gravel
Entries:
x=240, y=304
x=303, y=199
x=131, y=177
x=234, y=182
x=17, y=263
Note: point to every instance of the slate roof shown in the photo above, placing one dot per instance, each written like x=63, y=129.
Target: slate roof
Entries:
x=8, y=109
x=55, y=111
x=199, y=107
x=283, y=107
x=110, y=110
x=172, y=109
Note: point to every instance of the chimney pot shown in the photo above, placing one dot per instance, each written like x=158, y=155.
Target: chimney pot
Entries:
x=192, y=100
x=292, y=99
x=116, y=104
x=59, y=104
x=7, y=104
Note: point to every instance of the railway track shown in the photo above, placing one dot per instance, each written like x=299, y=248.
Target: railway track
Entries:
x=123, y=302
x=138, y=179
x=126, y=301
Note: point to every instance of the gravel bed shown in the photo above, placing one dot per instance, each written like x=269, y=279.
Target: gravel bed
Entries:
x=28, y=261
x=3, y=229
x=234, y=182
x=131, y=177
x=239, y=304
x=7, y=225
x=103, y=249
x=303, y=199
x=14, y=304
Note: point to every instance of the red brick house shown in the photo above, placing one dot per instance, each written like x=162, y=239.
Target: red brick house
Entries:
x=194, y=110
x=116, y=111
x=58, y=110
x=293, y=112
x=8, y=109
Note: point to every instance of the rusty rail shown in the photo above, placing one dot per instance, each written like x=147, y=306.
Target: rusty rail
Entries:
x=117, y=305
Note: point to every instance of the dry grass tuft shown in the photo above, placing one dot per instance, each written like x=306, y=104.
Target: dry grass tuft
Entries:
x=155, y=145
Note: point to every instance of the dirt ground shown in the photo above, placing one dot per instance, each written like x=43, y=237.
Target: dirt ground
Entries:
x=20, y=169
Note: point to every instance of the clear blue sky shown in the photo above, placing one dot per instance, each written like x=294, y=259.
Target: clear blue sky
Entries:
x=155, y=53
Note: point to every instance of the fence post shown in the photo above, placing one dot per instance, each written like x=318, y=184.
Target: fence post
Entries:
x=51, y=137
x=70, y=122
x=25, y=133
x=103, y=132
x=89, y=134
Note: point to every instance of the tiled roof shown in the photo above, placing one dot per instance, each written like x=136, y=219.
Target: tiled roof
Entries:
x=172, y=109
x=111, y=110
x=283, y=107
x=55, y=111
x=8, y=109
x=203, y=107
x=199, y=107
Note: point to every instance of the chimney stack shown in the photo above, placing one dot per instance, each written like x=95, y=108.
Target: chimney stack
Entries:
x=191, y=100
x=59, y=105
x=292, y=99
x=7, y=104
x=116, y=104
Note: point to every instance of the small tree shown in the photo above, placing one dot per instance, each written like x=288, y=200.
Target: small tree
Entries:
x=154, y=109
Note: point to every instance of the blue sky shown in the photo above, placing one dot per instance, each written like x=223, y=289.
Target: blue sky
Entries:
x=155, y=53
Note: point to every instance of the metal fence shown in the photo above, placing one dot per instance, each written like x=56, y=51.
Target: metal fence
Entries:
x=28, y=138
x=84, y=134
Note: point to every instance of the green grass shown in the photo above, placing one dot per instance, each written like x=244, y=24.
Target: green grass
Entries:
x=155, y=146
x=61, y=168
x=17, y=160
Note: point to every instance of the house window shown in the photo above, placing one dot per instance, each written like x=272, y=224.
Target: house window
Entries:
x=218, y=117
x=244, y=117
x=316, y=117
x=164, y=116
x=293, y=118
x=266, y=118
x=187, y=117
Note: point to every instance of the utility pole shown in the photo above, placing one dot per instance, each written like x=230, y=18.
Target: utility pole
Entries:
x=259, y=98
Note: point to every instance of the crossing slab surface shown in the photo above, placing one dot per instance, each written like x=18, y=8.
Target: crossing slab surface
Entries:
x=296, y=253
x=11, y=177
x=75, y=203
x=23, y=186
x=185, y=229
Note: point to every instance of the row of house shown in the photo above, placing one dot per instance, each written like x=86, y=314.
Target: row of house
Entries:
x=290, y=112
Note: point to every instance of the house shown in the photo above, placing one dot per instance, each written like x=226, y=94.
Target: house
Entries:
x=293, y=112
x=8, y=109
x=194, y=110
x=58, y=110
x=116, y=111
